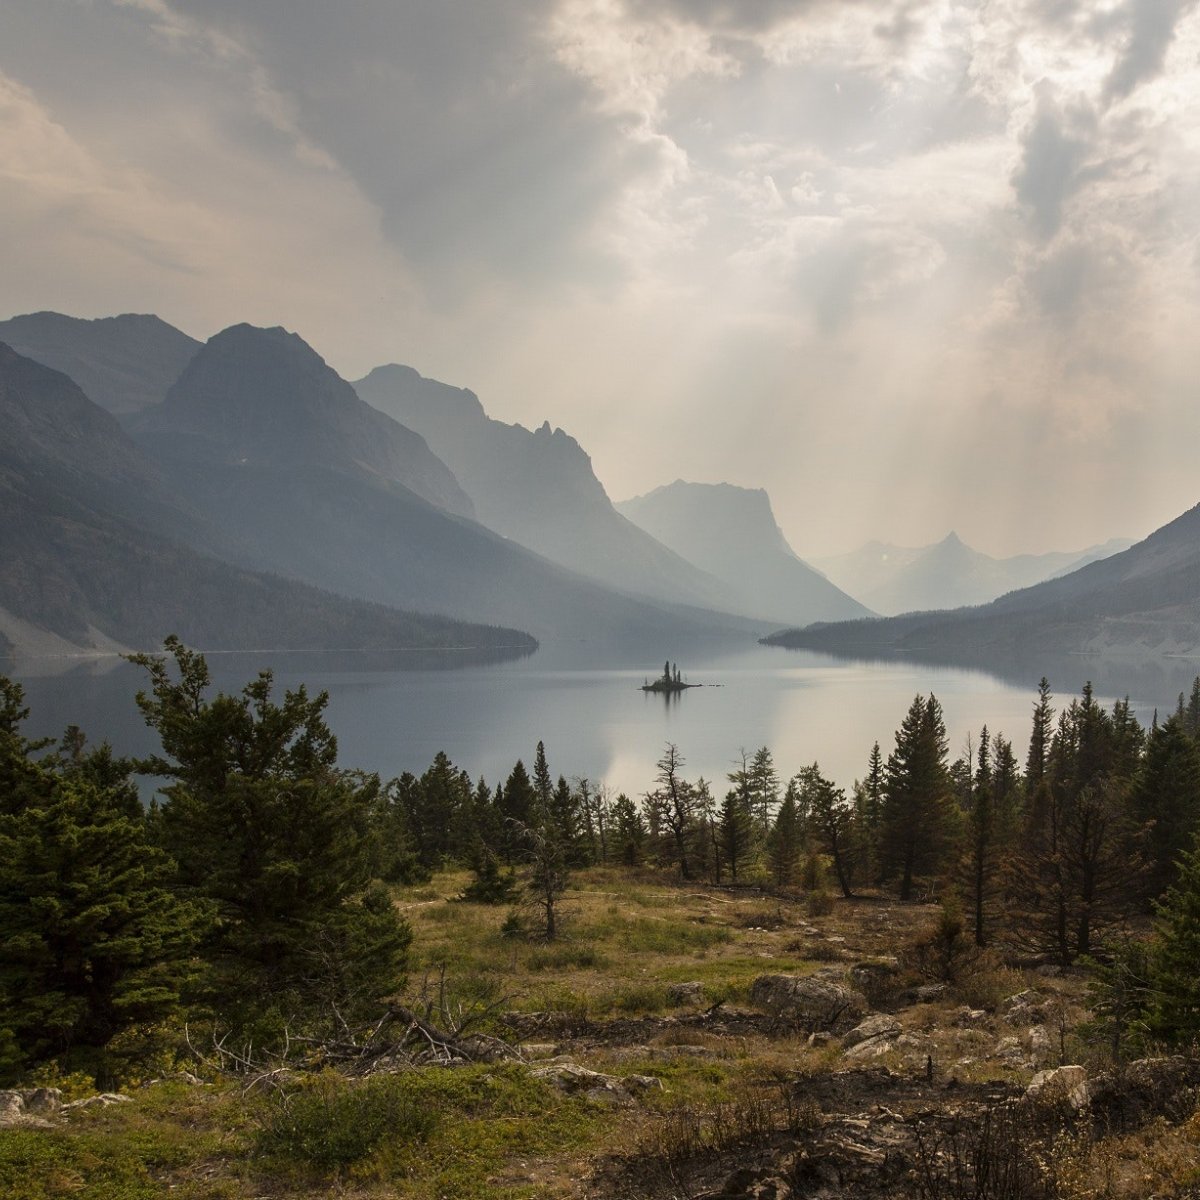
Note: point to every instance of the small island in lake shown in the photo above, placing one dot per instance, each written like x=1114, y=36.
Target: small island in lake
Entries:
x=669, y=681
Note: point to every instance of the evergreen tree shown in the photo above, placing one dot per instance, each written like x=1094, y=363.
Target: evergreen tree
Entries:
x=919, y=824
x=733, y=836
x=629, y=832
x=785, y=846
x=515, y=805
x=268, y=831
x=1040, y=737
x=1175, y=982
x=977, y=874
x=830, y=818
x=764, y=790
x=1076, y=869
x=91, y=938
x=868, y=804
x=671, y=806
x=1165, y=798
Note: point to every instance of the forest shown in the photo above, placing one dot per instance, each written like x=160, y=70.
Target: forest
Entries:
x=247, y=919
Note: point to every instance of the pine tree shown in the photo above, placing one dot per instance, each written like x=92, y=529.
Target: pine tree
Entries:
x=1166, y=799
x=671, y=806
x=264, y=827
x=1039, y=738
x=785, y=846
x=919, y=822
x=92, y=940
x=830, y=819
x=1175, y=982
x=733, y=836
x=629, y=832
x=1076, y=868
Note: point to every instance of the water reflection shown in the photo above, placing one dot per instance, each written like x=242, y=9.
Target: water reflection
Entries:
x=393, y=712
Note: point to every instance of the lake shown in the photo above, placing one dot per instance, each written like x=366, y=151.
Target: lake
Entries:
x=394, y=712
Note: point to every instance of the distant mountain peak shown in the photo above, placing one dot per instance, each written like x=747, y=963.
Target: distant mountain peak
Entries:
x=265, y=396
x=731, y=532
x=124, y=363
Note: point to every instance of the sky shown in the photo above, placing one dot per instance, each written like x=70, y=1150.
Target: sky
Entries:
x=910, y=265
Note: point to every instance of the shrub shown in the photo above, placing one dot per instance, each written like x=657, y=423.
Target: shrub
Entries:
x=332, y=1123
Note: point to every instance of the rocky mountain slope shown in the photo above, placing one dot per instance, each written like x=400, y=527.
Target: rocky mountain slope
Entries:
x=279, y=453
x=97, y=552
x=949, y=574
x=538, y=488
x=731, y=532
x=123, y=363
x=1142, y=602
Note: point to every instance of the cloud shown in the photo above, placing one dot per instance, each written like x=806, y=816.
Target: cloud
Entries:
x=1054, y=151
x=1151, y=25
x=818, y=245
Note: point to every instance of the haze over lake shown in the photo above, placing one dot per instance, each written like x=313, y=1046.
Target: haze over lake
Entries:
x=394, y=712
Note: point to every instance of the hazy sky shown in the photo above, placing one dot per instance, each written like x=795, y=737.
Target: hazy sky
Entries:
x=908, y=264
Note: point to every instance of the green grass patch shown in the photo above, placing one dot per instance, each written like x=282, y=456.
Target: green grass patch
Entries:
x=125, y=1152
x=565, y=957
x=442, y=1132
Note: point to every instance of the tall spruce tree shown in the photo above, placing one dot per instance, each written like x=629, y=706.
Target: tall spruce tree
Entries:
x=919, y=822
x=266, y=829
x=92, y=939
x=1165, y=799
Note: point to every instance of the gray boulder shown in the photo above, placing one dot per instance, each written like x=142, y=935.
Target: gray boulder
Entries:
x=812, y=1002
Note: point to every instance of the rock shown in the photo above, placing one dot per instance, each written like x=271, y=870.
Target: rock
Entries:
x=928, y=993
x=595, y=1085
x=680, y=994
x=1025, y=1008
x=102, y=1101
x=970, y=1016
x=1062, y=1083
x=875, y=1048
x=748, y=1184
x=29, y=1107
x=12, y=1108
x=43, y=1100
x=531, y=1050
x=812, y=1002
x=876, y=1027
x=1040, y=1049
x=1010, y=1050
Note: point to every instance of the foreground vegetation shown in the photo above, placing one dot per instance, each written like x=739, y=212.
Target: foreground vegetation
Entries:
x=300, y=977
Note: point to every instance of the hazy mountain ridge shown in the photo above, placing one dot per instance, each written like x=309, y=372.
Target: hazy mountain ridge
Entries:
x=77, y=563
x=264, y=397
x=124, y=363
x=538, y=488
x=948, y=574
x=304, y=507
x=1144, y=601
x=731, y=532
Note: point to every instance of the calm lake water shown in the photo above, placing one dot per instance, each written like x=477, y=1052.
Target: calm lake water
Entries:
x=393, y=713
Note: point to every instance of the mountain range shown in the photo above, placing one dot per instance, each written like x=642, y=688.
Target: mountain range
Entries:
x=538, y=488
x=1142, y=602
x=97, y=551
x=250, y=497
x=949, y=574
x=123, y=364
x=732, y=533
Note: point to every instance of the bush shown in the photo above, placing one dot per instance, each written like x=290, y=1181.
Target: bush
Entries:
x=946, y=953
x=332, y=1123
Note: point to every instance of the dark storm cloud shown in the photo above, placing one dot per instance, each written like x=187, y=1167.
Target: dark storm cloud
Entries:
x=1151, y=30
x=728, y=16
x=476, y=148
x=1054, y=150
